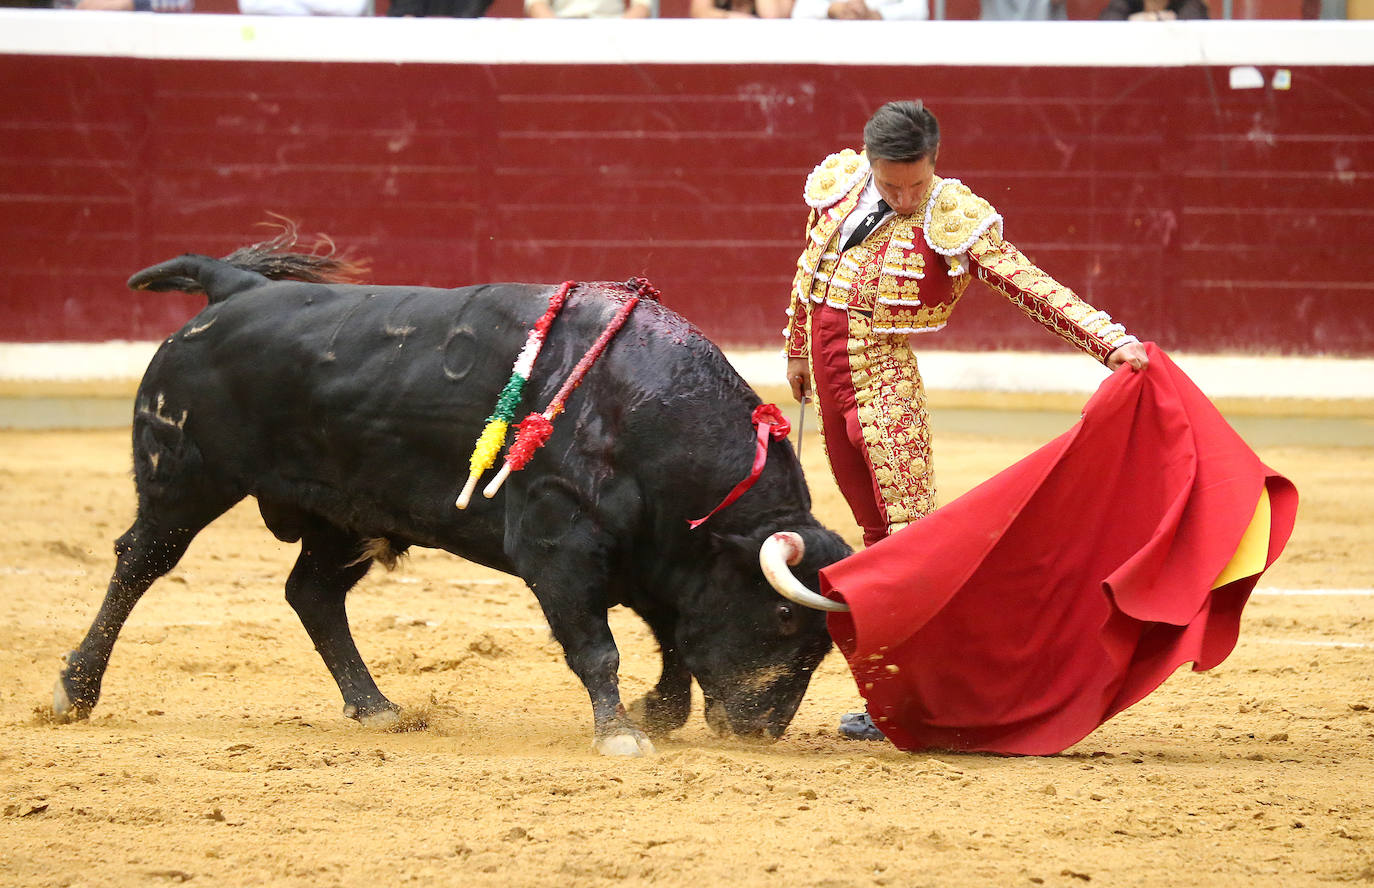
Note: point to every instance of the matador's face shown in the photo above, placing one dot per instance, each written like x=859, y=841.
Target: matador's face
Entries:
x=904, y=185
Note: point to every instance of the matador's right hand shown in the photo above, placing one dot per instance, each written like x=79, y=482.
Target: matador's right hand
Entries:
x=799, y=378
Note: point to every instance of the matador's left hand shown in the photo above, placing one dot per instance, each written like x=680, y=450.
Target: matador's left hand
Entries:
x=1132, y=353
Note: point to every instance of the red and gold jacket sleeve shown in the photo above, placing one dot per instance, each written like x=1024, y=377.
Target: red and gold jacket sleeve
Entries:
x=798, y=329
x=967, y=231
x=1000, y=265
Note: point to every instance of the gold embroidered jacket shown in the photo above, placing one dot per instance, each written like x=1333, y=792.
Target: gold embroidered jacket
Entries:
x=911, y=270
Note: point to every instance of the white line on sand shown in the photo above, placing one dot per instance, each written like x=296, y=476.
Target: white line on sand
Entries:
x=1271, y=591
x=1315, y=642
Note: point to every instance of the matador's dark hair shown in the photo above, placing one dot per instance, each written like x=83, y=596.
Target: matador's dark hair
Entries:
x=902, y=131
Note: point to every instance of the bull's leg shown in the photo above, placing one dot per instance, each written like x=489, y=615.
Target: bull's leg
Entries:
x=177, y=498
x=317, y=589
x=666, y=707
x=143, y=554
x=591, y=654
x=561, y=553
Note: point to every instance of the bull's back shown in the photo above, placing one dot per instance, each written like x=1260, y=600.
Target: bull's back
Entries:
x=363, y=404
x=358, y=402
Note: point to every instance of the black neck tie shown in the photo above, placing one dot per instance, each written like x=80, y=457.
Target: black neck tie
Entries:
x=869, y=223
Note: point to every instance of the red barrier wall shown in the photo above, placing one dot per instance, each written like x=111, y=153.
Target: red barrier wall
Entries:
x=1204, y=217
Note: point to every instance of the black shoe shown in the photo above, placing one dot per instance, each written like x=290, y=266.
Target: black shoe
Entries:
x=859, y=726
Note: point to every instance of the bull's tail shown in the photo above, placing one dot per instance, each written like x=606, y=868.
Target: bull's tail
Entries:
x=251, y=266
x=197, y=274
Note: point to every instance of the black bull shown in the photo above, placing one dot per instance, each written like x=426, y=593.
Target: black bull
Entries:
x=349, y=412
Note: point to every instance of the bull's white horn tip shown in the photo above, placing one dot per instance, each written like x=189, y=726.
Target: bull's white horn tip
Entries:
x=792, y=544
x=775, y=555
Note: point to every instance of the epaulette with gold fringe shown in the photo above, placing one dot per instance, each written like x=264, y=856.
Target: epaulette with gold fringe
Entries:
x=956, y=218
x=833, y=178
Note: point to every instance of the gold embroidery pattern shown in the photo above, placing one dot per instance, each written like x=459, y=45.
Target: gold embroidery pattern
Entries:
x=904, y=266
x=834, y=177
x=891, y=401
x=1049, y=302
x=956, y=218
x=798, y=327
x=815, y=265
x=915, y=294
x=851, y=278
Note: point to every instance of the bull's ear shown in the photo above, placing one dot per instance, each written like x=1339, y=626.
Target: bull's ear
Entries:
x=742, y=551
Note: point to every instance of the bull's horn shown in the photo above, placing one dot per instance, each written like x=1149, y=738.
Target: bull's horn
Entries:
x=783, y=549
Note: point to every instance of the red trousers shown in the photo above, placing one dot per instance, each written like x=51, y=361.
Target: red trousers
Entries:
x=874, y=425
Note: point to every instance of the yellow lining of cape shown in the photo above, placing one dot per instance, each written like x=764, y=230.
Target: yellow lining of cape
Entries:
x=1253, y=550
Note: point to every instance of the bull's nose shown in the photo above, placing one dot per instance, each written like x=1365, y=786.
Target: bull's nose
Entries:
x=764, y=727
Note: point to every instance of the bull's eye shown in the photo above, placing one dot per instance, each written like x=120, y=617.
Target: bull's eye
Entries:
x=787, y=618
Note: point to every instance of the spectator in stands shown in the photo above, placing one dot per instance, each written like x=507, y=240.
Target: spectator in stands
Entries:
x=305, y=7
x=741, y=8
x=1023, y=10
x=129, y=5
x=446, y=8
x=598, y=9
x=861, y=9
x=1152, y=10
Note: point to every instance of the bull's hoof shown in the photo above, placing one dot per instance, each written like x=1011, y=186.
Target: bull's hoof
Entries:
x=659, y=715
x=64, y=709
x=383, y=717
x=630, y=745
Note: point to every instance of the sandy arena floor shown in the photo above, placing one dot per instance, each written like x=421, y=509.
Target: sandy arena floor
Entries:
x=218, y=754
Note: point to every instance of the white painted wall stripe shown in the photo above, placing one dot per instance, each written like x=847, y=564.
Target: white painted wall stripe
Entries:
x=683, y=41
x=1024, y=372
x=74, y=361
x=1219, y=376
